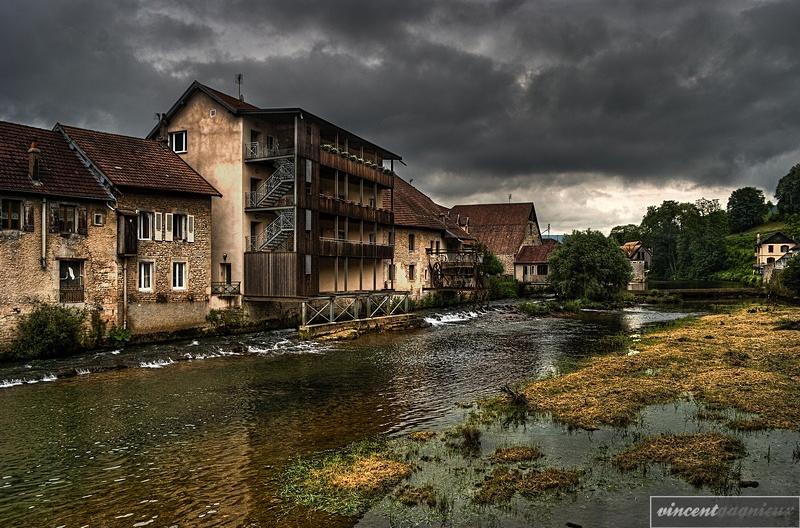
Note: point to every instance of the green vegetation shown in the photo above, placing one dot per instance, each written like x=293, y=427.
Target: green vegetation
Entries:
x=740, y=251
x=789, y=278
x=514, y=454
x=588, y=266
x=746, y=208
x=490, y=264
x=788, y=192
x=118, y=336
x=503, y=287
x=626, y=233
x=49, y=331
x=700, y=459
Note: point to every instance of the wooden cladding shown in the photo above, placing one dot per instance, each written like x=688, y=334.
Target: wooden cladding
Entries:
x=270, y=274
x=334, y=206
x=341, y=248
x=356, y=169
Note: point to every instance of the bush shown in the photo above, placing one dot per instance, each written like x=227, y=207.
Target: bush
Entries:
x=789, y=278
x=49, y=331
x=503, y=287
x=118, y=336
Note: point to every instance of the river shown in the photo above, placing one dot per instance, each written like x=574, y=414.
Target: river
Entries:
x=198, y=433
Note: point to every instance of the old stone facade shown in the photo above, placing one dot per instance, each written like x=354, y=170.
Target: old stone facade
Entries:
x=91, y=257
x=411, y=263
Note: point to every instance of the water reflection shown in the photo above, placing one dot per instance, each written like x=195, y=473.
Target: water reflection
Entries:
x=201, y=439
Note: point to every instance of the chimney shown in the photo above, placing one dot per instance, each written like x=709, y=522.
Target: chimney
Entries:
x=162, y=138
x=34, y=162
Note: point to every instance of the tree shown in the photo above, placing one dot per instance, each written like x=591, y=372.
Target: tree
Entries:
x=626, y=233
x=660, y=229
x=490, y=264
x=788, y=192
x=701, y=242
x=746, y=209
x=790, y=276
x=589, y=266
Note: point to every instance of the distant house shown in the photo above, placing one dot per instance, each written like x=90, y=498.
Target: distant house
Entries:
x=431, y=251
x=640, y=258
x=531, y=265
x=773, y=253
x=503, y=228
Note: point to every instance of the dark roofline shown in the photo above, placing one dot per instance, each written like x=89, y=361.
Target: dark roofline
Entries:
x=776, y=234
x=259, y=111
x=106, y=181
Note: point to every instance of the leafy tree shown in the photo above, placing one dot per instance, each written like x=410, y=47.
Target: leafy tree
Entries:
x=589, y=266
x=660, y=229
x=788, y=192
x=490, y=264
x=626, y=233
x=49, y=331
x=790, y=276
x=701, y=242
x=746, y=209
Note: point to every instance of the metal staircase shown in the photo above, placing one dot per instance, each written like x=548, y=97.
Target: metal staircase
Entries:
x=275, y=233
x=275, y=187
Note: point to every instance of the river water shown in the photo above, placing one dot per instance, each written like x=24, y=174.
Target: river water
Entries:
x=198, y=433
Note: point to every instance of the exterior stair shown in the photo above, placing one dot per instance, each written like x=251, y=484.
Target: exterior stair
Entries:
x=275, y=187
x=275, y=233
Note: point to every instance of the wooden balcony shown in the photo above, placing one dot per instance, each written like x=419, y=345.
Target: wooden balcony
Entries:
x=361, y=170
x=336, y=206
x=331, y=247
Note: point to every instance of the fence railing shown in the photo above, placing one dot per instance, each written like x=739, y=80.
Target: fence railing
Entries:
x=353, y=307
x=224, y=289
x=71, y=295
x=259, y=150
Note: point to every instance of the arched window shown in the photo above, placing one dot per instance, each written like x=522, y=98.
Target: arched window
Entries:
x=784, y=249
x=770, y=260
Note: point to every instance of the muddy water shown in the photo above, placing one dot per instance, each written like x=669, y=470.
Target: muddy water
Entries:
x=197, y=433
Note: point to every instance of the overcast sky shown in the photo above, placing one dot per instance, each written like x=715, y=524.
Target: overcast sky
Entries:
x=593, y=110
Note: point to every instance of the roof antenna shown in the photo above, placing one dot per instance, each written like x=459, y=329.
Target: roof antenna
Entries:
x=509, y=198
x=239, y=83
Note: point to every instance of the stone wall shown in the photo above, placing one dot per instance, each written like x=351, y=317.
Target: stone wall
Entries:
x=25, y=283
x=403, y=257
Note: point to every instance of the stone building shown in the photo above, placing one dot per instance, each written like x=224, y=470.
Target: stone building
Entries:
x=640, y=258
x=531, y=263
x=302, y=212
x=503, y=228
x=431, y=252
x=773, y=253
x=105, y=222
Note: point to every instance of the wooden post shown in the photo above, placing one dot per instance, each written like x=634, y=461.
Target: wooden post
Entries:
x=303, y=313
x=332, y=309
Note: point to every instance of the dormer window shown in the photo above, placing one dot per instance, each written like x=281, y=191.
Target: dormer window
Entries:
x=177, y=140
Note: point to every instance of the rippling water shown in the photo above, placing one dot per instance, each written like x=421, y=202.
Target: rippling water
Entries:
x=196, y=433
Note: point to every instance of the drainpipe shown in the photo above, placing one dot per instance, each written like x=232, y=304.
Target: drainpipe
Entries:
x=125, y=292
x=43, y=258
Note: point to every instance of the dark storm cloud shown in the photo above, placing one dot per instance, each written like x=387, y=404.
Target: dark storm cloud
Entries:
x=479, y=97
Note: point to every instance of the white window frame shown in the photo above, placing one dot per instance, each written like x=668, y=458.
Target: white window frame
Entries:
x=150, y=226
x=98, y=219
x=139, y=285
x=177, y=133
x=181, y=220
x=185, y=275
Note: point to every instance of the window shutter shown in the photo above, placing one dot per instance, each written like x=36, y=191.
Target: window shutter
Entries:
x=158, y=226
x=30, y=216
x=190, y=228
x=55, y=219
x=168, y=227
x=83, y=221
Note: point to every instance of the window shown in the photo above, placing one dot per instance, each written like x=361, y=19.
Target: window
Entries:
x=372, y=237
x=784, y=249
x=411, y=242
x=770, y=260
x=178, y=275
x=412, y=272
x=541, y=269
x=68, y=222
x=308, y=264
x=437, y=246
x=770, y=249
x=225, y=272
x=70, y=281
x=178, y=226
x=10, y=214
x=145, y=226
x=145, y=276
x=98, y=219
x=177, y=140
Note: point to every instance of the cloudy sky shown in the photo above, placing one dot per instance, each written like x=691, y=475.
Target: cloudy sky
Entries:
x=593, y=110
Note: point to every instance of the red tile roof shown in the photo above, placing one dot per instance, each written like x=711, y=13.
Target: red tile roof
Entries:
x=502, y=227
x=630, y=248
x=137, y=163
x=535, y=254
x=413, y=208
x=61, y=172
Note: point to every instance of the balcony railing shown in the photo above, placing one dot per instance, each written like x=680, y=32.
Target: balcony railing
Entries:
x=226, y=289
x=454, y=256
x=336, y=247
x=70, y=295
x=258, y=150
x=341, y=207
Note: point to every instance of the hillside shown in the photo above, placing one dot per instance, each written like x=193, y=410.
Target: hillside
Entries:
x=740, y=249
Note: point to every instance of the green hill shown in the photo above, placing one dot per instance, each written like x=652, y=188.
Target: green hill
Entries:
x=740, y=249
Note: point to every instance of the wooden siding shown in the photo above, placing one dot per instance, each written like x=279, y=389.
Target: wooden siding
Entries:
x=340, y=248
x=356, y=169
x=271, y=274
x=335, y=206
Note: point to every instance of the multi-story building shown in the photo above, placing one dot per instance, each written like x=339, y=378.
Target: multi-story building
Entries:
x=302, y=212
x=503, y=228
x=432, y=251
x=108, y=223
x=773, y=253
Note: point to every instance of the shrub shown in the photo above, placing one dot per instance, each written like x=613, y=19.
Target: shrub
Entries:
x=789, y=278
x=118, y=336
x=49, y=331
x=503, y=287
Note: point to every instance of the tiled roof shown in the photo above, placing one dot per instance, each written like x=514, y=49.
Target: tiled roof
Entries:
x=413, y=208
x=502, y=227
x=138, y=163
x=630, y=248
x=61, y=172
x=227, y=100
x=535, y=254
